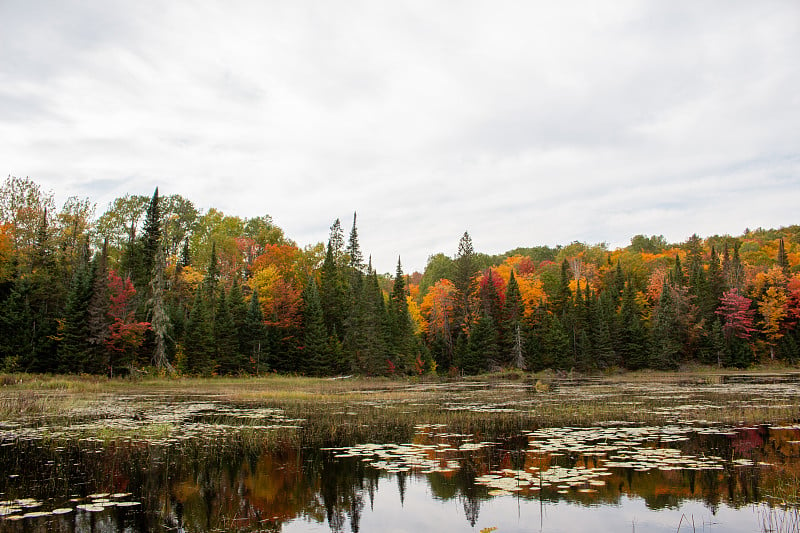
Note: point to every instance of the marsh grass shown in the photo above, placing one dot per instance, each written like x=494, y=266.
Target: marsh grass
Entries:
x=339, y=412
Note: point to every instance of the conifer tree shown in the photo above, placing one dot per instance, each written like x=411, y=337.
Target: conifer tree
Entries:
x=783, y=259
x=157, y=313
x=400, y=342
x=601, y=333
x=199, y=339
x=255, y=335
x=354, y=249
x=98, y=321
x=632, y=335
x=666, y=332
x=226, y=337
x=316, y=349
x=238, y=310
x=482, y=345
x=512, y=316
x=73, y=350
x=333, y=293
x=465, y=270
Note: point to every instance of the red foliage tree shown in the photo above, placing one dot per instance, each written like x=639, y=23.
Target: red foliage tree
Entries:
x=737, y=314
x=125, y=333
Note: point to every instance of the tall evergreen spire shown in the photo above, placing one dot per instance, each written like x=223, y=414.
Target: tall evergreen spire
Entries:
x=354, y=249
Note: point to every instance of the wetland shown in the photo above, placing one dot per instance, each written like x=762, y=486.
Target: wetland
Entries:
x=635, y=452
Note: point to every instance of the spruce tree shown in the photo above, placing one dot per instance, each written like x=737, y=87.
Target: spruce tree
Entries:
x=482, y=346
x=98, y=320
x=73, y=350
x=316, y=358
x=255, y=335
x=226, y=337
x=632, y=345
x=199, y=339
x=238, y=310
x=333, y=293
x=511, y=327
x=465, y=269
x=354, y=249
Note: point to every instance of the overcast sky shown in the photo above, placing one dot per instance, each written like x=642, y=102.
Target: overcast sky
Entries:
x=523, y=122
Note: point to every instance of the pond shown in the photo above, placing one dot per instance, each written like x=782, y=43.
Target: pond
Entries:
x=160, y=462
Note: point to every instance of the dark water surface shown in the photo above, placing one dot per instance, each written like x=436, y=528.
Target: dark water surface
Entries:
x=680, y=476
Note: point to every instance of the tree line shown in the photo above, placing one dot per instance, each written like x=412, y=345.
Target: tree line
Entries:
x=153, y=283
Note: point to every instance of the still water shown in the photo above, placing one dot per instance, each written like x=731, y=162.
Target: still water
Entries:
x=611, y=477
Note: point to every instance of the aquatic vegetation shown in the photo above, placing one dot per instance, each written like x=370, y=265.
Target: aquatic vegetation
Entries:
x=274, y=446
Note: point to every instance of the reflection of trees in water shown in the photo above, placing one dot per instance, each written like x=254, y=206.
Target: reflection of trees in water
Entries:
x=223, y=485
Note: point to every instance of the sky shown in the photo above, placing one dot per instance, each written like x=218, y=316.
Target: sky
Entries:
x=524, y=123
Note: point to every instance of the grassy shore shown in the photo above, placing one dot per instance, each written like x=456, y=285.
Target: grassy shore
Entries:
x=493, y=400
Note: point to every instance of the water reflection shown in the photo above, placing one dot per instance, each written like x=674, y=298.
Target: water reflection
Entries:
x=220, y=485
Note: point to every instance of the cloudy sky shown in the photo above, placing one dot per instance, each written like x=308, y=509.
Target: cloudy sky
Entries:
x=523, y=122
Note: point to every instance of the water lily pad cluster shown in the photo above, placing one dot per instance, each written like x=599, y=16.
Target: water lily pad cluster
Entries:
x=27, y=508
x=558, y=478
x=152, y=422
x=442, y=453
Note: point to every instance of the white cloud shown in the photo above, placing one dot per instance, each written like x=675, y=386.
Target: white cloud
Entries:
x=525, y=123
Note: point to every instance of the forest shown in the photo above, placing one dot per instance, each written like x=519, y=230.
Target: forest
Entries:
x=155, y=285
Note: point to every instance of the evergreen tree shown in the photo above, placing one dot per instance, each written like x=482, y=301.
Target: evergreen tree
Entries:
x=44, y=299
x=98, y=321
x=482, y=345
x=157, y=311
x=151, y=240
x=632, y=345
x=336, y=242
x=238, y=310
x=563, y=297
x=73, y=350
x=601, y=333
x=512, y=316
x=317, y=358
x=465, y=270
x=199, y=339
x=783, y=259
x=226, y=337
x=354, y=249
x=333, y=293
x=401, y=341
x=666, y=339
x=254, y=335
x=364, y=340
